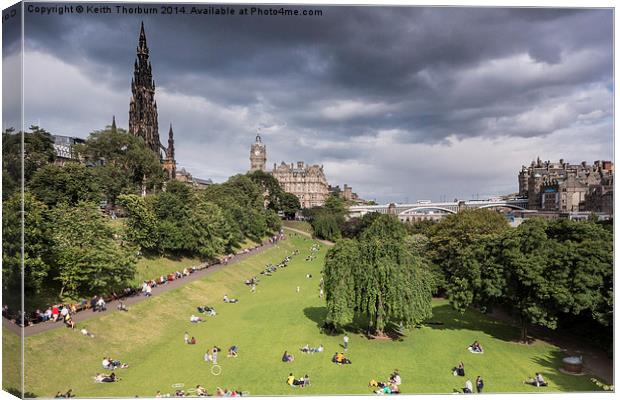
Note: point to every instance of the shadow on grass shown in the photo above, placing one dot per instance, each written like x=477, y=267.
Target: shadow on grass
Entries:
x=358, y=326
x=564, y=382
x=445, y=317
x=18, y=393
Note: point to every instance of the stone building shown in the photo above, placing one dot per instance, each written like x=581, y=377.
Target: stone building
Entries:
x=307, y=182
x=143, y=108
x=568, y=187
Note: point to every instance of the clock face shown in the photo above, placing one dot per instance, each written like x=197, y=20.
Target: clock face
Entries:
x=256, y=152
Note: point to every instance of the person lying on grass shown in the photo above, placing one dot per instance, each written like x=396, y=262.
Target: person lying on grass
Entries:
x=475, y=347
x=195, y=319
x=538, y=380
x=308, y=349
x=232, y=351
x=200, y=391
x=340, y=359
x=103, y=378
x=395, y=378
x=286, y=357
x=228, y=300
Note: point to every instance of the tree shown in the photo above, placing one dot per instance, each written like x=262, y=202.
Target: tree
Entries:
x=69, y=184
x=86, y=255
x=387, y=281
x=38, y=151
x=123, y=162
x=289, y=205
x=325, y=226
x=142, y=225
x=541, y=270
x=450, y=238
x=271, y=188
x=35, y=245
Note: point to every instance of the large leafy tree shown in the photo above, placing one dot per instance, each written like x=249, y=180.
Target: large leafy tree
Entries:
x=38, y=151
x=289, y=205
x=36, y=245
x=142, y=225
x=450, y=239
x=69, y=184
x=541, y=270
x=87, y=256
x=124, y=163
x=377, y=277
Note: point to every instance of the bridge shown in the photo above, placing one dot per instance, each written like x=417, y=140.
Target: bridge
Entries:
x=431, y=210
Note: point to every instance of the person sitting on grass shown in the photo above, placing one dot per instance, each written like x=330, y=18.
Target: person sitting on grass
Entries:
x=69, y=321
x=228, y=300
x=538, y=380
x=475, y=347
x=395, y=378
x=122, y=307
x=340, y=359
x=286, y=357
x=200, y=391
x=195, y=319
x=232, y=351
x=192, y=340
x=459, y=369
x=468, y=387
x=394, y=388
x=290, y=380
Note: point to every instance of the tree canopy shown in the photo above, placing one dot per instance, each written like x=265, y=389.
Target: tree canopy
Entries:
x=377, y=277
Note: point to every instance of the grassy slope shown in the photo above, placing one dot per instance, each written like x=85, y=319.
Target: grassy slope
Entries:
x=263, y=325
x=300, y=225
x=11, y=365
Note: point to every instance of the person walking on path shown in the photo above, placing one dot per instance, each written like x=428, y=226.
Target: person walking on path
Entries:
x=345, y=339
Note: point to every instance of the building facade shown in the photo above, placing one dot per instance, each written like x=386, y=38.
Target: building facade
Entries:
x=307, y=182
x=568, y=187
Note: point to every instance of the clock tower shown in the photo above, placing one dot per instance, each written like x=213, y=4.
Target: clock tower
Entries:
x=258, y=155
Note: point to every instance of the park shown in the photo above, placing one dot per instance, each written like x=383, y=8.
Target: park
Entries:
x=264, y=324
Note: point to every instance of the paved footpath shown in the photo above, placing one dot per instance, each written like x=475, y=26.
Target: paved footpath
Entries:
x=111, y=306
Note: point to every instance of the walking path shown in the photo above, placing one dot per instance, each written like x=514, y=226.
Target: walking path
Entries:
x=304, y=233
x=111, y=306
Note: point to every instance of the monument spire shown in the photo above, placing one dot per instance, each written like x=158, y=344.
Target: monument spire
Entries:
x=142, y=105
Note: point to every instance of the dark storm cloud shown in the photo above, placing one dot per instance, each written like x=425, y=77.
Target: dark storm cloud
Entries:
x=320, y=85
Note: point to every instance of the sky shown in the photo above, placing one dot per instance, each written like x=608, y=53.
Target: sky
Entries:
x=401, y=103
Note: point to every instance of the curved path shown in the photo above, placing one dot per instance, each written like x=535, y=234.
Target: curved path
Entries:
x=111, y=306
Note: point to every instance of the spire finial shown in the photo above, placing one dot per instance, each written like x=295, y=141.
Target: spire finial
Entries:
x=258, y=138
x=113, y=123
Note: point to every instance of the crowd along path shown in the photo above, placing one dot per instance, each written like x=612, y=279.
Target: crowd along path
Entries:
x=112, y=305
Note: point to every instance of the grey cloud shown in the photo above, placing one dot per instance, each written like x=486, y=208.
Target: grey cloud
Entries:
x=427, y=75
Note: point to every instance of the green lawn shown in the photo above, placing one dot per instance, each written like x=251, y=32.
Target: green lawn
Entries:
x=11, y=365
x=299, y=225
x=276, y=318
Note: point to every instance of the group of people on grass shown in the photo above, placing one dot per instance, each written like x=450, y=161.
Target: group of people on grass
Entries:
x=110, y=364
x=201, y=392
x=66, y=395
x=309, y=350
x=391, y=386
x=302, y=382
x=459, y=370
x=189, y=339
x=208, y=310
x=211, y=354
